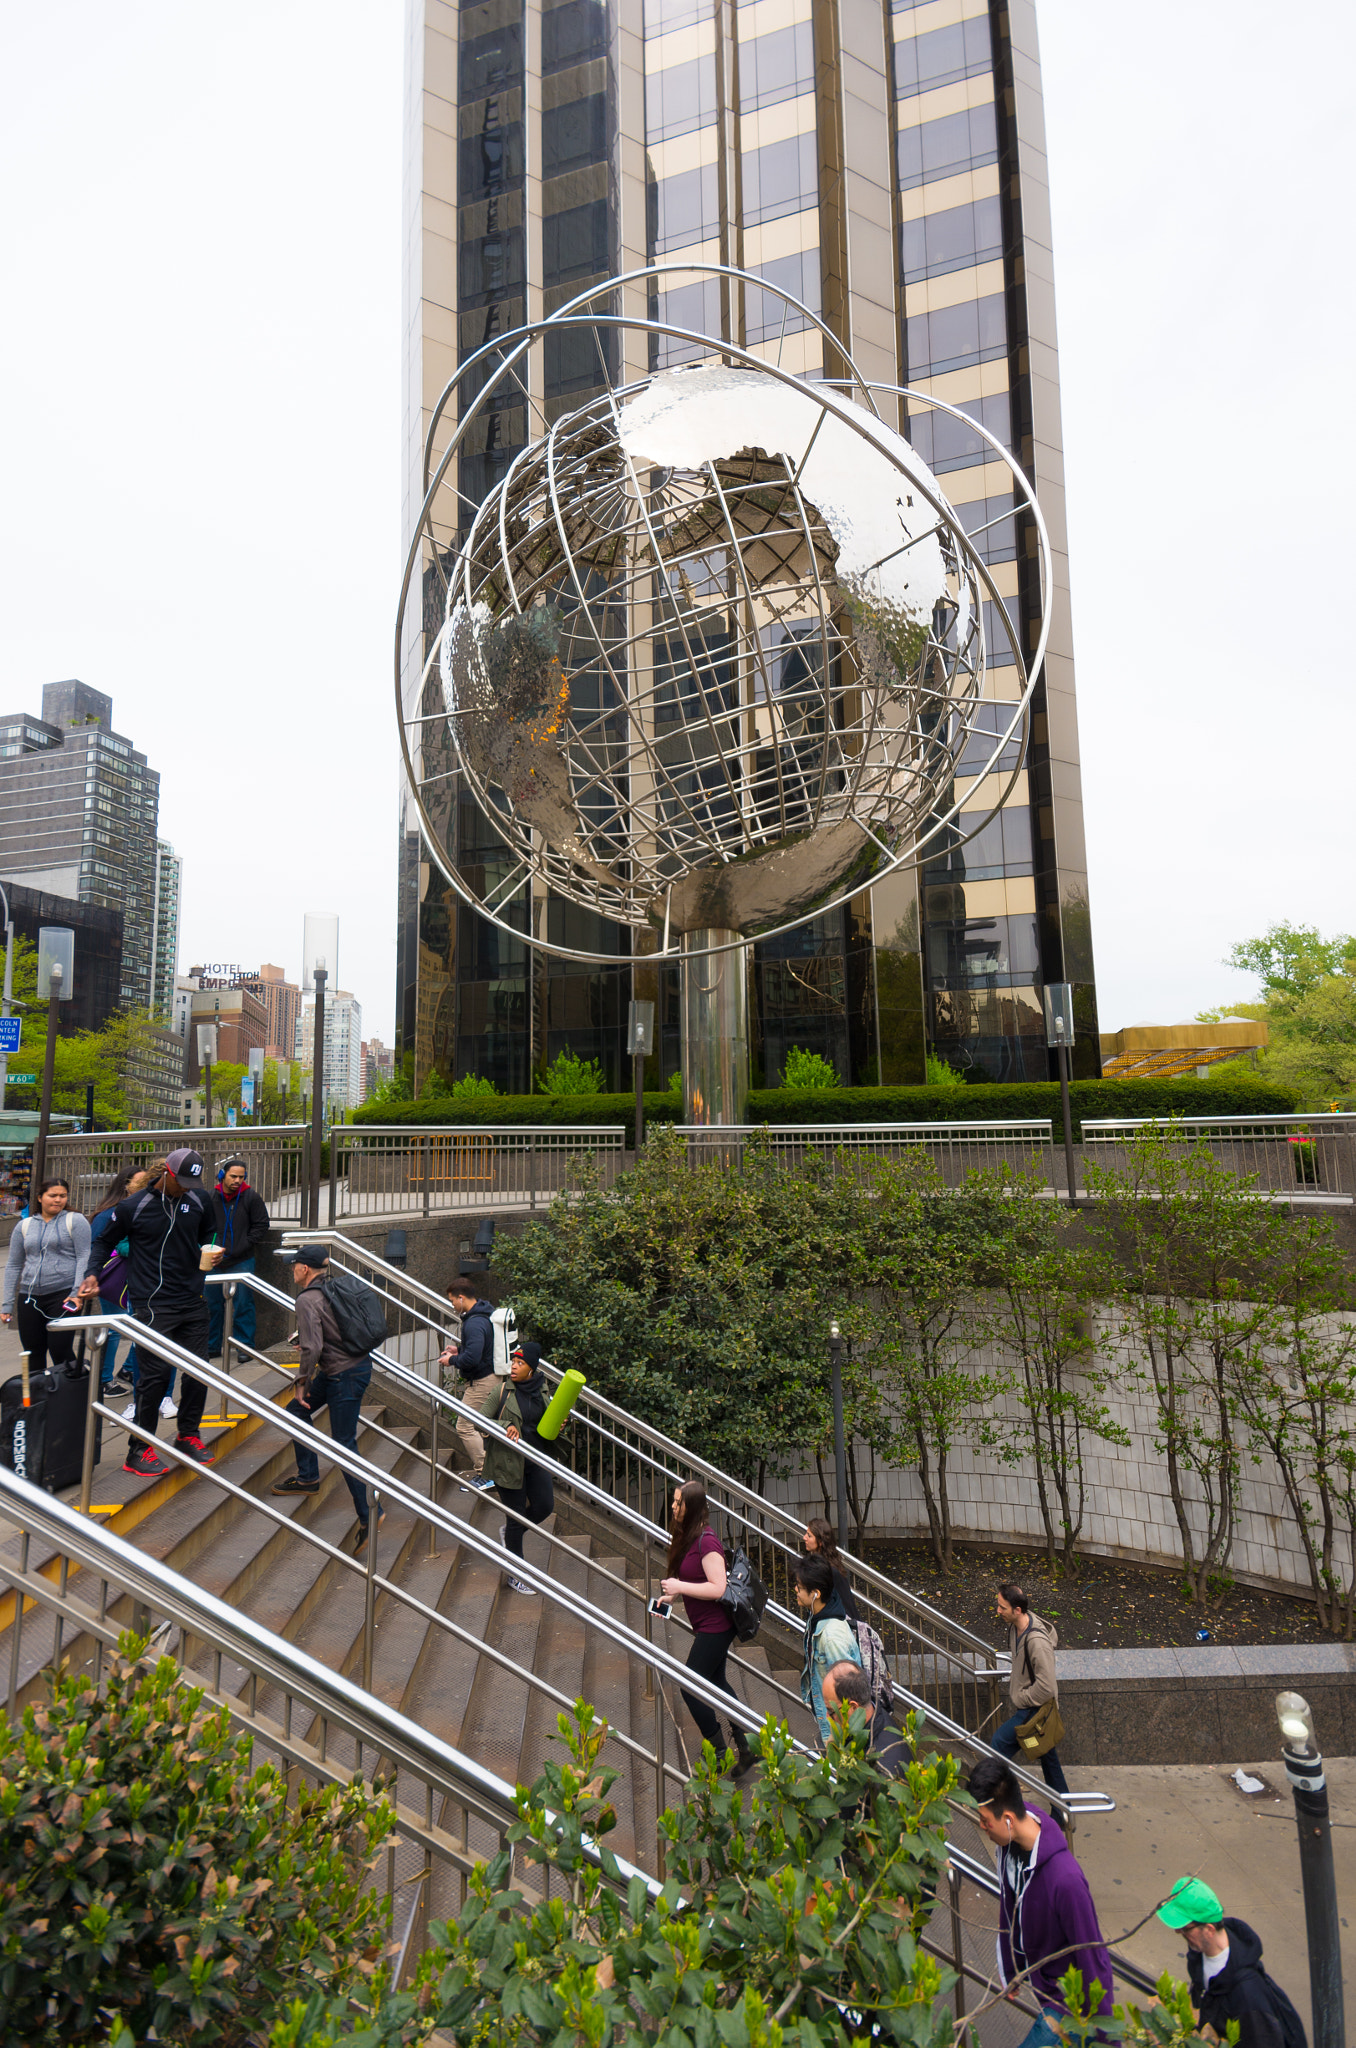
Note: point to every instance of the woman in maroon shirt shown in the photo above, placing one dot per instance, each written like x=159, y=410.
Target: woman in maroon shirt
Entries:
x=696, y=1571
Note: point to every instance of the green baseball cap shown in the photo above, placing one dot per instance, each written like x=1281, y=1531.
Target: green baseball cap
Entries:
x=1191, y=1903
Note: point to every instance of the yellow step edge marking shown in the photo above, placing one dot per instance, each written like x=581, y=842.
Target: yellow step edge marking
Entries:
x=128, y=1515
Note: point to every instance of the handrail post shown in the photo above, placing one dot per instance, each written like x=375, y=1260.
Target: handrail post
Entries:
x=433, y=1480
x=957, y=1937
x=426, y=1153
x=227, y=1333
x=87, y=1455
x=334, y=1168
x=370, y=1606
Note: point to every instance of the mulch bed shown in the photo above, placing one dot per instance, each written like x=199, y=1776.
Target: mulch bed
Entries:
x=1104, y=1603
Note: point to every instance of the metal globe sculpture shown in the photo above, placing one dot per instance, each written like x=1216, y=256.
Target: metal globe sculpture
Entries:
x=712, y=649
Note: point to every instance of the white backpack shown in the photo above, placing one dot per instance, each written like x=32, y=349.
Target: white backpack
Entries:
x=505, y=1326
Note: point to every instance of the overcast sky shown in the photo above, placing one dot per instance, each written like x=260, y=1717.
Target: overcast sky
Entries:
x=200, y=453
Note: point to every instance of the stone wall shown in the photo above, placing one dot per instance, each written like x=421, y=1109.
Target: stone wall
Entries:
x=1128, y=1511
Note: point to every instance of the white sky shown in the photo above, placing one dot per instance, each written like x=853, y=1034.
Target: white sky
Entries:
x=200, y=383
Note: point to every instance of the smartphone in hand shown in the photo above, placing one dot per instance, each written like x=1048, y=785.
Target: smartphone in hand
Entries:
x=660, y=1607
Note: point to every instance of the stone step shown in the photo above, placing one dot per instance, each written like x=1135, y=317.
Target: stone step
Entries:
x=607, y=1684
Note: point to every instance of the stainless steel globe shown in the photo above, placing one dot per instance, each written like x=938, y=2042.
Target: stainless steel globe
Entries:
x=712, y=649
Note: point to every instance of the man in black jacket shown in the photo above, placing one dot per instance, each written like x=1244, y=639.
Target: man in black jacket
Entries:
x=474, y=1356
x=166, y=1227
x=1224, y=1965
x=242, y=1224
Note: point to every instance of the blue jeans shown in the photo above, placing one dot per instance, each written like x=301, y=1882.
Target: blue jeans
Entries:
x=344, y=1392
x=243, y=1320
x=1004, y=1740
x=1042, y=2034
x=131, y=1368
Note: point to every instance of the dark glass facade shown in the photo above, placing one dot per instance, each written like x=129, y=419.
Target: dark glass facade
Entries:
x=591, y=138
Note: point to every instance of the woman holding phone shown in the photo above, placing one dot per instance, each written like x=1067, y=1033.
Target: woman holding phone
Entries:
x=48, y=1254
x=697, y=1576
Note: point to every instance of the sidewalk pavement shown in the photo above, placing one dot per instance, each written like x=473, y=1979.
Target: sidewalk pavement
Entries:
x=1178, y=1820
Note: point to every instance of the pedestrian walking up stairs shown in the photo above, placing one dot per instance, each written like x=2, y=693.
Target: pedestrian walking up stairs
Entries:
x=416, y=1658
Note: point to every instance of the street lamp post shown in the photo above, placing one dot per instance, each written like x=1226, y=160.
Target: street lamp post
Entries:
x=317, y=1093
x=256, y=1078
x=9, y=988
x=640, y=1039
x=56, y=982
x=1304, y=1768
x=1059, y=1035
x=207, y=1052
x=839, y=1439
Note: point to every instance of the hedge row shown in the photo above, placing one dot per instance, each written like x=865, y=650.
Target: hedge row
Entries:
x=1185, y=1096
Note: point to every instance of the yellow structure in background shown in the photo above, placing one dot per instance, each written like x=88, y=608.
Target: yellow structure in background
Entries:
x=1144, y=1050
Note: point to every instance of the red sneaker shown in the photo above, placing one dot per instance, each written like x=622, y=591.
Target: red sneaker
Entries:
x=142, y=1461
x=194, y=1447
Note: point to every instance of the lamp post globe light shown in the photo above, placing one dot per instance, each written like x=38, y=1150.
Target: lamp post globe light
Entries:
x=712, y=651
x=1309, y=1786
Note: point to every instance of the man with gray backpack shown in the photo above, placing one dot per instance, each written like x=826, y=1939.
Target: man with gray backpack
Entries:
x=339, y=1324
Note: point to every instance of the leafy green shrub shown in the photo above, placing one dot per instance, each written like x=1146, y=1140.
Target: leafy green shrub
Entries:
x=793, y=1917
x=801, y=1069
x=1180, y=1095
x=474, y=1088
x=567, y=1075
x=146, y=1871
x=942, y=1075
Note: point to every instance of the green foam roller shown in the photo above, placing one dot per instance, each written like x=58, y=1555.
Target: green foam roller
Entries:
x=561, y=1402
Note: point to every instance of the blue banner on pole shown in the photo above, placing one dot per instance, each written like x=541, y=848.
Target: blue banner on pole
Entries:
x=11, y=1033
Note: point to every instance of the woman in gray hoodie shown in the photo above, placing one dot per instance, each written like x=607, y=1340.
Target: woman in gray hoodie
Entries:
x=48, y=1254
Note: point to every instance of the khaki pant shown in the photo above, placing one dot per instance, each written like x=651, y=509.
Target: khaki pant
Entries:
x=478, y=1394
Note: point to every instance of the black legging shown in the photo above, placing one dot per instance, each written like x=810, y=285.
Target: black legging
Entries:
x=33, y=1316
x=535, y=1499
x=707, y=1658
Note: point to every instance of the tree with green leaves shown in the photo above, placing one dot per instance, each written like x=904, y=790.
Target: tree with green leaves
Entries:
x=802, y=1069
x=1290, y=960
x=698, y=1297
x=150, y=1877
x=1297, y=1393
x=915, y=1253
x=1194, y=1246
x=1044, y=1292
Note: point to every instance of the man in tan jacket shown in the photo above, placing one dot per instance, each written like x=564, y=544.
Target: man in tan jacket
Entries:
x=1032, y=1644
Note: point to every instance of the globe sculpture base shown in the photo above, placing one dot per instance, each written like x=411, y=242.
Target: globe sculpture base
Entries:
x=715, y=1029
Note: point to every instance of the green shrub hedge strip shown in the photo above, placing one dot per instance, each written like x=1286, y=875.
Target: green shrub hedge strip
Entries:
x=1184, y=1096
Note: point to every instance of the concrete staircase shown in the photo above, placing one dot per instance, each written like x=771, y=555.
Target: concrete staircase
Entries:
x=454, y=1686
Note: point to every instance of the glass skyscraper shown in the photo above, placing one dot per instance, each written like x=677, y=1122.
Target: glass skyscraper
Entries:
x=885, y=165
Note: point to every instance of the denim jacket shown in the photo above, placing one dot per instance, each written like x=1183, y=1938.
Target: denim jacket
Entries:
x=828, y=1640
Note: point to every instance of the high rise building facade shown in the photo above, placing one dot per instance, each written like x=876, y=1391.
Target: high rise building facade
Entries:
x=885, y=165
x=78, y=813
x=343, y=1076
x=165, y=913
x=282, y=999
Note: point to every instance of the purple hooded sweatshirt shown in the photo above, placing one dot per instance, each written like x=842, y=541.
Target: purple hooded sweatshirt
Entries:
x=1055, y=1913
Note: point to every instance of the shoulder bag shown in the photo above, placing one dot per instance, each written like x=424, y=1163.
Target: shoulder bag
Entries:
x=1045, y=1729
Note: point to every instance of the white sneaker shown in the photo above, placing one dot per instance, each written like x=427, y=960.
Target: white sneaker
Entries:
x=517, y=1586
x=503, y=1532
x=168, y=1407
x=129, y=1413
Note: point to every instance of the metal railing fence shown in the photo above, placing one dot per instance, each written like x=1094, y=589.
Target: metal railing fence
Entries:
x=632, y=1464
x=1022, y=1144
x=451, y=1813
x=278, y=1157
x=393, y=1170
x=924, y=1683
x=1296, y=1156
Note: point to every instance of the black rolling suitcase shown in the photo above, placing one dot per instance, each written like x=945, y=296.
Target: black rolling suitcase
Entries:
x=45, y=1442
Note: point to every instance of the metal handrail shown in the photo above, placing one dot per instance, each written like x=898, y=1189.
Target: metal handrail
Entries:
x=445, y=1772
x=694, y=1464
x=1069, y=1804
x=334, y=1699
x=391, y=1490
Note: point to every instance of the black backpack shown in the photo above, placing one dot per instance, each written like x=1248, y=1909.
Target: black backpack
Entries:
x=745, y=1594
x=358, y=1311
